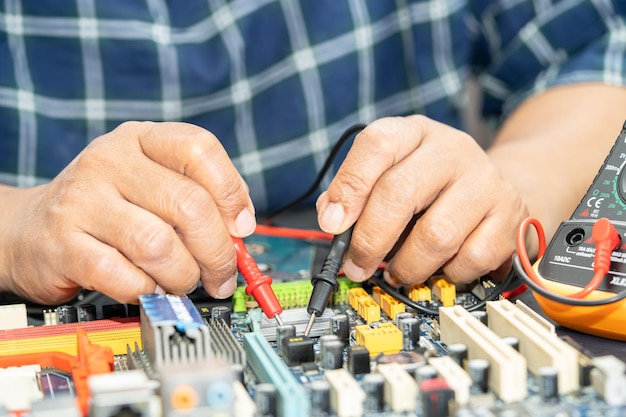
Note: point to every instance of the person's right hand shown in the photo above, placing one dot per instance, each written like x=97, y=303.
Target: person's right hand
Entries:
x=147, y=205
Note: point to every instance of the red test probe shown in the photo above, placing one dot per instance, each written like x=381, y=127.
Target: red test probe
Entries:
x=259, y=285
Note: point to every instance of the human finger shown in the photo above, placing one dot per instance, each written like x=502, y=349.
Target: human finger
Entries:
x=487, y=250
x=142, y=235
x=196, y=153
x=399, y=194
x=378, y=147
x=105, y=269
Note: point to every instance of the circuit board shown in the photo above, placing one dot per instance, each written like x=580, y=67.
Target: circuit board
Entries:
x=367, y=355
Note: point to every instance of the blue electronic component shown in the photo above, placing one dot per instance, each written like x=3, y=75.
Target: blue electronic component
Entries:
x=171, y=310
x=172, y=330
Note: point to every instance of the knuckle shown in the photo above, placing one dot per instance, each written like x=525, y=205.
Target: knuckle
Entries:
x=231, y=194
x=398, y=191
x=132, y=125
x=93, y=269
x=192, y=203
x=444, y=238
x=156, y=243
x=380, y=135
x=200, y=144
x=350, y=184
x=479, y=260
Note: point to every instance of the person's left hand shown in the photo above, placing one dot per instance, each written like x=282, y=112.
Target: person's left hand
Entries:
x=398, y=168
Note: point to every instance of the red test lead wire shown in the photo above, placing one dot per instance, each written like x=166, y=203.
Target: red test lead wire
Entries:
x=259, y=285
x=605, y=236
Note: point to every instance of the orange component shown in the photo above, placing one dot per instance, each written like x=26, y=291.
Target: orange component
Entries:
x=92, y=359
x=184, y=397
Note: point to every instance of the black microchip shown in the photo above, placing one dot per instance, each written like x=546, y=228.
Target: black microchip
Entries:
x=297, y=350
x=358, y=360
x=310, y=368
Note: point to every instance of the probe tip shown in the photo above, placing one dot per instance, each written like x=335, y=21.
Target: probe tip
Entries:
x=279, y=320
x=309, y=325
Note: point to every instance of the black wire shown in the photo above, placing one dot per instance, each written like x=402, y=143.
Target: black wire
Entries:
x=519, y=269
x=379, y=281
x=347, y=134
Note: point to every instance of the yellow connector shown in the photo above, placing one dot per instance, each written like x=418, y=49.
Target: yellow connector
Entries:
x=386, y=338
x=444, y=291
x=390, y=305
x=364, y=305
x=420, y=292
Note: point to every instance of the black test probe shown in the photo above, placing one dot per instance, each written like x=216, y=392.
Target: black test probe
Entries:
x=325, y=282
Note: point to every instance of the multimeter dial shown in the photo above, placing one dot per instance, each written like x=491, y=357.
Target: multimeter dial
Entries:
x=620, y=184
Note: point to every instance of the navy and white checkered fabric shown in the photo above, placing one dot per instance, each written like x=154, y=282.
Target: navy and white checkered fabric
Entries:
x=279, y=80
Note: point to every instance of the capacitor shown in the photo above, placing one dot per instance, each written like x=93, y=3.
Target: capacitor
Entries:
x=511, y=341
x=133, y=310
x=548, y=383
x=478, y=370
x=481, y=316
x=112, y=311
x=324, y=339
x=458, y=352
x=331, y=356
x=237, y=370
x=358, y=360
x=221, y=312
x=373, y=385
x=410, y=328
x=437, y=396
x=86, y=312
x=284, y=331
x=425, y=373
x=265, y=400
x=67, y=314
x=340, y=327
x=319, y=392
x=403, y=315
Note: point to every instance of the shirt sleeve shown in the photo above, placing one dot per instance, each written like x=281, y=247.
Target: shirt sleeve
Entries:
x=525, y=49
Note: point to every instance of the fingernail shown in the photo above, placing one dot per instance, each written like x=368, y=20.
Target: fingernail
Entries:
x=245, y=223
x=159, y=290
x=332, y=218
x=228, y=288
x=353, y=272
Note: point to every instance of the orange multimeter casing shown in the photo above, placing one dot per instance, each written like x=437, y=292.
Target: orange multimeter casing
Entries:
x=567, y=265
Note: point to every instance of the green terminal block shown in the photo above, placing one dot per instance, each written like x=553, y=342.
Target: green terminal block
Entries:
x=293, y=294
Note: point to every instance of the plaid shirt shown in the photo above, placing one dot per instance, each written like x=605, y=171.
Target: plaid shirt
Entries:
x=278, y=81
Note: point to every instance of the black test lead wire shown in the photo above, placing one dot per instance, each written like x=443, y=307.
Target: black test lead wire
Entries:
x=325, y=282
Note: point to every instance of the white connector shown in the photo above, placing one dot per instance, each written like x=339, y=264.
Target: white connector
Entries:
x=13, y=316
x=244, y=405
x=455, y=376
x=507, y=370
x=19, y=386
x=346, y=395
x=539, y=346
x=609, y=380
x=400, y=387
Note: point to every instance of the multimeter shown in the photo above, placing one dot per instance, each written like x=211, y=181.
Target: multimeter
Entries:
x=567, y=264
